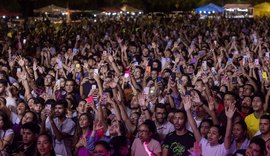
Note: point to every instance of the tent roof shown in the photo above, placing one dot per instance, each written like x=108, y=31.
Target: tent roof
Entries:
x=129, y=8
x=242, y=6
x=262, y=5
x=210, y=7
x=50, y=9
x=110, y=9
x=4, y=12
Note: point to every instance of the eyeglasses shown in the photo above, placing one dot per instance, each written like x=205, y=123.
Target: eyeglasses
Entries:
x=143, y=131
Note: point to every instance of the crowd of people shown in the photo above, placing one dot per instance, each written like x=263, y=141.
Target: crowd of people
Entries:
x=135, y=86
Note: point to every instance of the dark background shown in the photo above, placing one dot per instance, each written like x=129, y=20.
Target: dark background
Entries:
x=27, y=6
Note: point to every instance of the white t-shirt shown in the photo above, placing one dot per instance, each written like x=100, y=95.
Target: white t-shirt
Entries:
x=217, y=150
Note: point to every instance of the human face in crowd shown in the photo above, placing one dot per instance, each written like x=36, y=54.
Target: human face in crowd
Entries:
x=204, y=129
x=114, y=128
x=228, y=99
x=144, y=133
x=59, y=111
x=137, y=74
x=184, y=80
x=28, y=117
x=179, y=121
x=253, y=150
x=264, y=126
x=84, y=121
x=213, y=136
x=48, y=80
x=199, y=86
x=238, y=132
x=155, y=65
x=82, y=107
x=154, y=74
x=2, y=88
x=44, y=145
x=21, y=108
x=257, y=104
x=134, y=102
x=31, y=104
x=241, y=91
x=28, y=136
x=100, y=150
x=134, y=118
x=38, y=108
x=160, y=115
x=69, y=87
x=145, y=52
x=2, y=123
x=247, y=90
x=62, y=82
x=246, y=104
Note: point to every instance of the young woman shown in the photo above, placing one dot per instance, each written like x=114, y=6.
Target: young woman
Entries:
x=145, y=144
x=85, y=135
x=6, y=133
x=211, y=144
x=45, y=145
x=240, y=140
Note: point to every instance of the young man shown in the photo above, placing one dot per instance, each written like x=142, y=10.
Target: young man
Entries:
x=265, y=128
x=181, y=140
x=164, y=127
x=61, y=128
x=252, y=120
x=30, y=133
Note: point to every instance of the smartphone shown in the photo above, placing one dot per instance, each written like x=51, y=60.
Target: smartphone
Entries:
x=230, y=60
x=24, y=41
x=96, y=71
x=204, y=65
x=267, y=54
x=264, y=75
x=180, y=81
x=58, y=82
x=148, y=69
x=194, y=60
x=94, y=86
x=136, y=63
x=256, y=61
x=48, y=107
x=173, y=76
x=159, y=79
x=127, y=73
x=187, y=93
x=245, y=59
x=90, y=99
x=234, y=80
x=146, y=90
x=60, y=64
x=19, y=70
x=78, y=37
x=213, y=70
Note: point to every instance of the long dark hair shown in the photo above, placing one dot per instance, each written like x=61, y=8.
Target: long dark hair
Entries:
x=7, y=122
x=78, y=131
x=52, y=153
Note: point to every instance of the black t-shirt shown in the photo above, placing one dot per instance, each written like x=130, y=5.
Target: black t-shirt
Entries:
x=178, y=145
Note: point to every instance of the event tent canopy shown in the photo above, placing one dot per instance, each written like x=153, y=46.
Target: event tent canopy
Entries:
x=128, y=8
x=51, y=9
x=209, y=8
x=262, y=9
x=4, y=12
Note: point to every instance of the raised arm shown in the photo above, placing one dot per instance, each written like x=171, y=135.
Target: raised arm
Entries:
x=229, y=113
x=187, y=106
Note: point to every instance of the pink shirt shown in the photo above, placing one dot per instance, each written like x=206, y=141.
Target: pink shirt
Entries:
x=137, y=146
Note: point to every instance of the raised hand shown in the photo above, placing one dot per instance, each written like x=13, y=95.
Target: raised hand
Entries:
x=187, y=103
x=20, y=61
x=230, y=111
